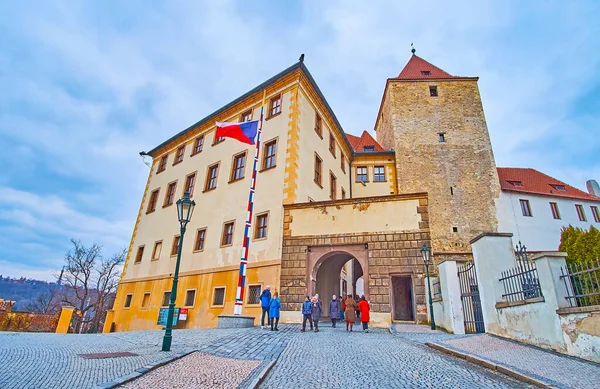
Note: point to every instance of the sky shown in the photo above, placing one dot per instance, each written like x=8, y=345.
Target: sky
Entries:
x=85, y=86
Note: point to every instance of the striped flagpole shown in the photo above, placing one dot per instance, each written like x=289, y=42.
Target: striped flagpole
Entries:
x=239, y=296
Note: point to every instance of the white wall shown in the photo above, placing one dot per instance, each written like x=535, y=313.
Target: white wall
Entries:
x=540, y=232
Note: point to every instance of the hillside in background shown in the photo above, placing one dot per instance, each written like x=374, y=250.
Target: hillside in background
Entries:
x=22, y=290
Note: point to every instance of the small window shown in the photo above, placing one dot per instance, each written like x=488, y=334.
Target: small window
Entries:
x=425, y=72
x=525, y=208
x=166, y=299
x=560, y=188
x=270, y=152
x=146, y=300
x=219, y=296
x=157, y=250
x=433, y=91
x=595, y=213
x=318, y=168
x=554, y=209
x=190, y=297
x=580, y=212
x=170, y=197
x=332, y=186
x=454, y=229
x=246, y=116
x=139, y=255
x=200, y=238
x=442, y=136
x=128, y=301
x=451, y=191
x=162, y=165
x=179, y=155
x=332, y=144
x=175, y=245
x=190, y=182
x=227, y=238
x=211, y=177
x=238, y=167
x=260, y=229
x=379, y=174
x=254, y=292
x=515, y=183
x=368, y=148
x=318, y=125
x=343, y=163
x=361, y=174
x=153, y=201
x=275, y=106
x=343, y=194
x=198, y=145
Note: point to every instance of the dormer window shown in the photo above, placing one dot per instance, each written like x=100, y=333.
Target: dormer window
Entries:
x=558, y=187
x=368, y=148
x=515, y=183
x=426, y=72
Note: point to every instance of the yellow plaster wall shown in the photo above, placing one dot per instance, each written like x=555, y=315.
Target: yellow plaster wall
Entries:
x=371, y=188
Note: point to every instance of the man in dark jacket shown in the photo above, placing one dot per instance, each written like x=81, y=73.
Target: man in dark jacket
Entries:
x=265, y=300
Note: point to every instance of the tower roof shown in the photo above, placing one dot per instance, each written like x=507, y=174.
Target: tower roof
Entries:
x=359, y=143
x=419, y=69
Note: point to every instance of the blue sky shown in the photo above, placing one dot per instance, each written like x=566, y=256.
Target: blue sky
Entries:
x=87, y=85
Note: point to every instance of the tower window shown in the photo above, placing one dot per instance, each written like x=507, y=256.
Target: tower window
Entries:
x=442, y=137
x=433, y=91
x=454, y=229
x=451, y=191
x=426, y=72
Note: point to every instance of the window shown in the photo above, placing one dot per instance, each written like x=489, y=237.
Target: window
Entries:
x=211, y=177
x=199, y=242
x=260, y=229
x=146, y=300
x=254, y=292
x=425, y=73
x=595, y=213
x=128, y=301
x=198, y=145
x=275, y=106
x=219, y=296
x=246, y=116
x=153, y=201
x=179, y=155
x=190, y=297
x=343, y=163
x=170, y=197
x=343, y=194
x=318, y=166
x=162, y=165
x=139, y=255
x=368, y=148
x=166, y=299
x=332, y=144
x=442, y=137
x=227, y=238
x=175, y=245
x=525, y=208
x=269, y=156
x=157, y=250
x=190, y=181
x=379, y=174
x=218, y=140
x=433, y=91
x=454, y=229
x=580, y=212
x=361, y=174
x=554, y=209
x=318, y=125
x=238, y=167
x=515, y=183
x=451, y=191
x=332, y=186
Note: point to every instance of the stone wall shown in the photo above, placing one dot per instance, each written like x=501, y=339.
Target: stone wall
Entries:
x=27, y=322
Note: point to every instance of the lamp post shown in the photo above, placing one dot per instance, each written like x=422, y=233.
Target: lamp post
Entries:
x=426, y=252
x=185, y=208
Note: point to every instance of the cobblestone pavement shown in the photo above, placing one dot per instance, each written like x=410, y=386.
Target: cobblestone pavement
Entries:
x=334, y=358
x=197, y=370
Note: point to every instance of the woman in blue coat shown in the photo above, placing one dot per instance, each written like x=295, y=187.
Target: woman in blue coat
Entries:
x=274, y=307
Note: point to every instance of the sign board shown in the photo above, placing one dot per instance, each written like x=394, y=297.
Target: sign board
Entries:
x=162, y=316
x=183, y=314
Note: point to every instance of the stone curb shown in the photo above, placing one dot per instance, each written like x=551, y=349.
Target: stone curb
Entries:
x=142, y=370
x=263, y=374
x=491, y=365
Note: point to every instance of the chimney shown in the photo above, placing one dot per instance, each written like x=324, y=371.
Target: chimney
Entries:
x=593, y=188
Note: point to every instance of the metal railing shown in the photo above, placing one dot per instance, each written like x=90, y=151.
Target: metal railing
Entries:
x=582, y=281
x=521, y=282
x=437, y=290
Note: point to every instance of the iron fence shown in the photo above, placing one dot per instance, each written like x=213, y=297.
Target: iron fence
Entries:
x=437, y=290
x=582, y=281
x=521, y=282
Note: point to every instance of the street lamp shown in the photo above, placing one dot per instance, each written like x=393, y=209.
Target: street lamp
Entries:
x=185, y=208
x=426, y=252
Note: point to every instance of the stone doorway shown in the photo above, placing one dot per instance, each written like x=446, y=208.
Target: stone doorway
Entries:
x=402, y=297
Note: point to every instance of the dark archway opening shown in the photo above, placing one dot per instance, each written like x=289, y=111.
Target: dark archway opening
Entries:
x=337, y=274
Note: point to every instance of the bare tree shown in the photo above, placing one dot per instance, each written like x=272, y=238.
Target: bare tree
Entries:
x=47, y=302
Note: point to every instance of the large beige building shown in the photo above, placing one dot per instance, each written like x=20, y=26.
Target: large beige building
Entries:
x=330, y=208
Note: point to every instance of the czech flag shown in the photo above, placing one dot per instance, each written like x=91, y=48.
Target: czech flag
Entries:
x=244, y=132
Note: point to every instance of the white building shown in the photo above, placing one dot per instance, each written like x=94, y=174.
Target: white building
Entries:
x=534, y=207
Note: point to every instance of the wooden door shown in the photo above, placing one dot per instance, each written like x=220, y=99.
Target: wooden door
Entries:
x=403, y=301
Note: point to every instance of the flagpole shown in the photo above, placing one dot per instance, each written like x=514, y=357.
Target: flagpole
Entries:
x=239, y=296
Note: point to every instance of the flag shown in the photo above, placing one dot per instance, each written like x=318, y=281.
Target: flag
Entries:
x=245, y=132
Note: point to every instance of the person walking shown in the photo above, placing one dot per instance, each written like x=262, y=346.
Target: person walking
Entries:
x=357, y=299
x=307, y=313
x=341, y=301
x=274, y=308
x=265, y=301
x=316, y=311
x=334, y=310
x=364, y=309
x=350, y=312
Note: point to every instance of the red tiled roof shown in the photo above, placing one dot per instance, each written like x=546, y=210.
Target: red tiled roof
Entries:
x=417, y=68
x=358, y=143
x=535, y=182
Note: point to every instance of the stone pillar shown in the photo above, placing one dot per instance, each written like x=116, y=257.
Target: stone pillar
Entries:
x=548, y=265
x=110, y=314
x=64, y=321
x=453, y=320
